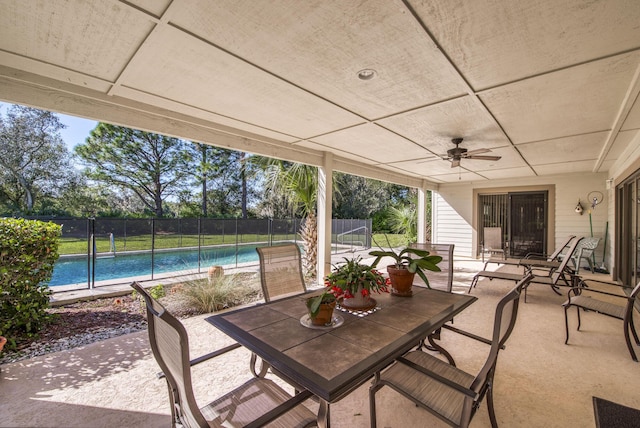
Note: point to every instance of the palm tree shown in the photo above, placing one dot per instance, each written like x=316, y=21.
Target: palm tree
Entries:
x=298, y=184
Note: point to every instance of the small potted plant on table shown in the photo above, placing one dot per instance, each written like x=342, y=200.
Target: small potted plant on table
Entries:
x=408, y=263
x=321, y=307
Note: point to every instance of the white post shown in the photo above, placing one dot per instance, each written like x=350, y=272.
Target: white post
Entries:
x=325, y=198
x=422, y=209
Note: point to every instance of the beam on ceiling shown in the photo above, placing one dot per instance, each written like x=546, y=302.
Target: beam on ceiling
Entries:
x=33, y=90
x=629, y=99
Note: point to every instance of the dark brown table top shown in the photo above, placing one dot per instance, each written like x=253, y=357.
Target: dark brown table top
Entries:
x=332, y=362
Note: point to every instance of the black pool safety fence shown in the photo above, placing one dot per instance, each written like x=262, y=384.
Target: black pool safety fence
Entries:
x=100, y=251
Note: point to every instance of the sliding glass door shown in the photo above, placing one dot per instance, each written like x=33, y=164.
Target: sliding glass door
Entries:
x=522, y=217
x=627, y=224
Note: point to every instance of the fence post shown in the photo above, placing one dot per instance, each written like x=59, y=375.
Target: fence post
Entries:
x=92, y=284
x=153, y=244
x=89, y=252
x=199, y=242
x=236, y=241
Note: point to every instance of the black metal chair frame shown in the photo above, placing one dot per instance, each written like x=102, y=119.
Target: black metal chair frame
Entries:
x=577, y=297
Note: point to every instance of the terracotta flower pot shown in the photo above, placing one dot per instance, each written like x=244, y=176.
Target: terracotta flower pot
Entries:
x=401, y=281
x=324, y=315
x=358, y=301
x=3, y=341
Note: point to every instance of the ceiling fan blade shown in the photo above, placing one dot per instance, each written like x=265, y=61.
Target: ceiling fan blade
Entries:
x=477, y=152
x=493, y=158
x=455, y=163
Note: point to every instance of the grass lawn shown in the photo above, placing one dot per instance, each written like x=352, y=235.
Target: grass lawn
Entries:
x=144, y=242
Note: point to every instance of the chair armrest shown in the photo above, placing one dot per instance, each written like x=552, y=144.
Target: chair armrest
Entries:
x=279, y=410
x=470, y=335
x=536, y=256
x=466, y=391
x=584, y=283
x=208, y=356
x=579, y=290
x=214, y=354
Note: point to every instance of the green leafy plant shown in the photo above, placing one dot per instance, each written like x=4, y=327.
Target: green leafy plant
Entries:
x=328, y=296
x=28, y=251
x=157, y=292
x=412, y=259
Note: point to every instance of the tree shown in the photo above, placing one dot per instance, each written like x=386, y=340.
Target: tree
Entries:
x=34, y=159
x=299, y=185
x=152, y=166
x=223, y=176
x=404, y=217
x=362, y=197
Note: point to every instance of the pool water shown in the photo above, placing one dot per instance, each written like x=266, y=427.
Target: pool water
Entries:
x=73, y=270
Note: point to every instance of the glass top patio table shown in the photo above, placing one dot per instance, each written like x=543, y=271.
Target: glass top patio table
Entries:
x=332, y=362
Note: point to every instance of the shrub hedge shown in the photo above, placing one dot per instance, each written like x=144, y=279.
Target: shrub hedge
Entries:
x=28, y=251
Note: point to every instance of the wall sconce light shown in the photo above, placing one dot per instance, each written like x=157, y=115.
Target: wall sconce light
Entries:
x=579, y=208
x=609, y=183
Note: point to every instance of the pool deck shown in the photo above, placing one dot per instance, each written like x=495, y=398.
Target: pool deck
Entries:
x=67, y=294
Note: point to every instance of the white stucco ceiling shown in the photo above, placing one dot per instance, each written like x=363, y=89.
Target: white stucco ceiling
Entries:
x=550, y=85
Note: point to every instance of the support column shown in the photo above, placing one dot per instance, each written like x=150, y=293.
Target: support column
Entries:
x=422, y=210
x=325, y=198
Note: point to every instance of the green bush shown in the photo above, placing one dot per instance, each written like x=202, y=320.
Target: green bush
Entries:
x=28, y=251
x=157, y=292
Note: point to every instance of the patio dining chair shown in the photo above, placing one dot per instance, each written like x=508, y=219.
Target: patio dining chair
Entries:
x=281, y=271
x=492, y=242
x=444, y=278
x=280, y=276
x=255, y=403
x=443, y=389
x=605, y=302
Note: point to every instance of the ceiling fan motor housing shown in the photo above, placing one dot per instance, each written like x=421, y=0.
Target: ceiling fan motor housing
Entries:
x=456, y=152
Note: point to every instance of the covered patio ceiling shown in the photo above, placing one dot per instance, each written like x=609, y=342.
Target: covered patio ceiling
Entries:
x=551, y=86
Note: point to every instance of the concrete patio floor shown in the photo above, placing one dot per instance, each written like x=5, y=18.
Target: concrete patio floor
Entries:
x=540, y=381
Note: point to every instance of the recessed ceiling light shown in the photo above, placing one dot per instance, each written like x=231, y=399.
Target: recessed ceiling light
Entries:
x=366, y=74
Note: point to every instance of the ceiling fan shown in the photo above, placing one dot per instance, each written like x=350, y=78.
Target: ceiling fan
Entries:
x=456, y=154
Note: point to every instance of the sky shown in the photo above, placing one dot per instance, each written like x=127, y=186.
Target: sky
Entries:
x=77, y=129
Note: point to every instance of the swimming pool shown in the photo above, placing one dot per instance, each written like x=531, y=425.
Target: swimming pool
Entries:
x=73, y=270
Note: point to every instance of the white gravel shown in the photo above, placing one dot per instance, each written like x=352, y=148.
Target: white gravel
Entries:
x=39, y=348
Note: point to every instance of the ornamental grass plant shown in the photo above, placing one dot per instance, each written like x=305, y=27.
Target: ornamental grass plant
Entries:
x=221, y=292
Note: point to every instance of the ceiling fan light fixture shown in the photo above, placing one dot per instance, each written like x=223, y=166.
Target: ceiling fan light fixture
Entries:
x=366, y=74
x=458, y=153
